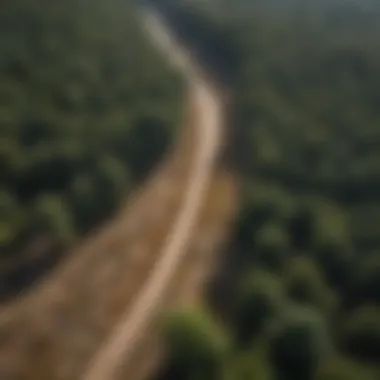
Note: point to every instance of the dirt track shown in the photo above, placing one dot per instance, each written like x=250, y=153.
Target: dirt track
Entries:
x=207, y=125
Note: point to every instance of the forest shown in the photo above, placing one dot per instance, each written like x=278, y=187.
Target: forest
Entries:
x=304, y=303
x=87, y=106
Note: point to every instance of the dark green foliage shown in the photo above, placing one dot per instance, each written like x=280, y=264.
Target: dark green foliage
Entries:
x=271, y=244
x=306, y=89
x=197, y=345
x=342, y=368
x=299, y=343
x=87, y=107
x=306, y=285
x=365, y=287
x=260, y=302
x=51, y=216
x=361, y=334
x=254, y=364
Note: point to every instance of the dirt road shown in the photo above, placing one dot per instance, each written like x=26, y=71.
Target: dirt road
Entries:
x=121, y=342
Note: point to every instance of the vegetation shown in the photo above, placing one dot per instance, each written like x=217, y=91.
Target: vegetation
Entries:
x=87, y=106
x=201, y=346
x=307, y=95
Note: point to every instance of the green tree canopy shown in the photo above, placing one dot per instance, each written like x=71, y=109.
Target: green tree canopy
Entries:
x=361, y=334
x=260, y=301
x=197, y=344
x=272, y=246
x=51, y=215
x=250, y=365
x=300, y=341
x=306, y=285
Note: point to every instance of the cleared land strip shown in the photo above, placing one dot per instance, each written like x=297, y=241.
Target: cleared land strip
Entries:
x=136, y=320
x=187, y=259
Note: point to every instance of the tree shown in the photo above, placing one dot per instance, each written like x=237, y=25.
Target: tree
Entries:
x=11, y=219
x=260, y=301
x=86, y=205
x=250, y=365
x=337, y=262
x=332, y=242
x=301, y=228
x=299, y=342
x=360, y=336
x=198, y=346
x=365, y=285
x=10, y=158
x=272, y=246
x=111, y=181
x=317, y=224
x=51, y=216
x=306, y=285
x=147, y=132
x=341, y=368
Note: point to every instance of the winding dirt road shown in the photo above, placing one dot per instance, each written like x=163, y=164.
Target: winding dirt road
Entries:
x=122, y=340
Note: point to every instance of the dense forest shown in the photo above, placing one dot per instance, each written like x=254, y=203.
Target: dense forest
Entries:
x=305, y=301
x=87, y=106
